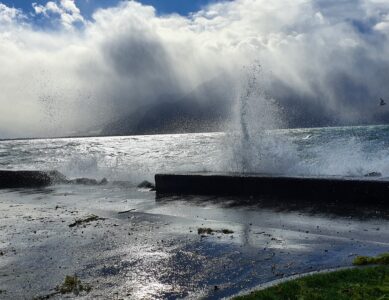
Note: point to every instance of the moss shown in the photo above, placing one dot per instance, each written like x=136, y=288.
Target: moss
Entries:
x=72, y=285
x=90, y=218
x=382, y=259
x=359, y=283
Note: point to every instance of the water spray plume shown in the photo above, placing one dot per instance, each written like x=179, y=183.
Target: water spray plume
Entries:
x=257, y=112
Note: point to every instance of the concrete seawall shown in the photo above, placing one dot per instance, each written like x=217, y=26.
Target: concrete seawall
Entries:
x=312, y=188
x=20, y=179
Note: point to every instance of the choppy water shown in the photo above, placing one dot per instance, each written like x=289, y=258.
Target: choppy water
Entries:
x=319, y=151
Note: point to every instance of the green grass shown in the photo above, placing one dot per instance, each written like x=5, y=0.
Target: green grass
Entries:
x=359, y=283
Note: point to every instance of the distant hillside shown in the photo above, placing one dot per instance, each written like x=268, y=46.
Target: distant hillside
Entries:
x=171, y=117
x=204, y=110
x=209, y=108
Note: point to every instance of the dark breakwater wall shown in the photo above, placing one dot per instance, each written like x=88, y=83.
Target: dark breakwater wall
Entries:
x=311, y=188
x=21, y=179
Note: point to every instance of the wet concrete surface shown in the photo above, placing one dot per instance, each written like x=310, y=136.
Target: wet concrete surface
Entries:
x=152, y=249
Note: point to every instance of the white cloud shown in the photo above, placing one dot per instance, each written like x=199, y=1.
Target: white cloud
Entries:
x=67, y=10
x=70, y=6
x=331, y=54
x=383, y=25
x=9, y=15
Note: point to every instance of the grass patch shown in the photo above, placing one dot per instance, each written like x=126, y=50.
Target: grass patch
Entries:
x=72, y=285
x=86, y=220
x=382, y=259
x=361, y=283
x=204, y=230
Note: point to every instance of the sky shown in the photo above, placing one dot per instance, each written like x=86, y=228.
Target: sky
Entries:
x=87, y=7
x=68, y=65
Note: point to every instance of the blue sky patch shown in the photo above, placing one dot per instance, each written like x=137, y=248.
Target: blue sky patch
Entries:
x=87, y=7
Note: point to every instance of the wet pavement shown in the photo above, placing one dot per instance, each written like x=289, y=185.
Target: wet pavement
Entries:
x=143, y=248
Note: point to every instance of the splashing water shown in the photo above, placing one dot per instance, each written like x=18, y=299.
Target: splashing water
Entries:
x=342, y=151
x=253, y=144
x=255, y=148
x=256, y=145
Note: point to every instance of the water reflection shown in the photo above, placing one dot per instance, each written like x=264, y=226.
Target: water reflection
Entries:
x=330, y=208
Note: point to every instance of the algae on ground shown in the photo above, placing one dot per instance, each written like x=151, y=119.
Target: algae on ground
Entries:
x=382, y=259
x=359, y=283
x=72, y=285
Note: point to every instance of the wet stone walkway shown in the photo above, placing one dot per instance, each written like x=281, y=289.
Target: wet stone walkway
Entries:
x=141, y=248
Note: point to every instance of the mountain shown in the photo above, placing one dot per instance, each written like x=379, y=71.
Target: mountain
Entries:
x=206, y=109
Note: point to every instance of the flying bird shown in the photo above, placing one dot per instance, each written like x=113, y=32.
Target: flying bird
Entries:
x=382, y=102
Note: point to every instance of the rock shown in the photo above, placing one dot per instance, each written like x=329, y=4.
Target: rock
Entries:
x=21, y=179
x=103, y=181
x=146, y=185
x=373, y=174
x=86, y=181
x=57, y=177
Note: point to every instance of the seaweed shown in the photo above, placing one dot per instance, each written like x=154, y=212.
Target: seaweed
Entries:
x=88, y=219
x=72, y=284
x=204, y=230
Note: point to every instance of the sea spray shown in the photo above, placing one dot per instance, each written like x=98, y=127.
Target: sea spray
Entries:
x=255, y=147
x=256, y=144
x=244, y=117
